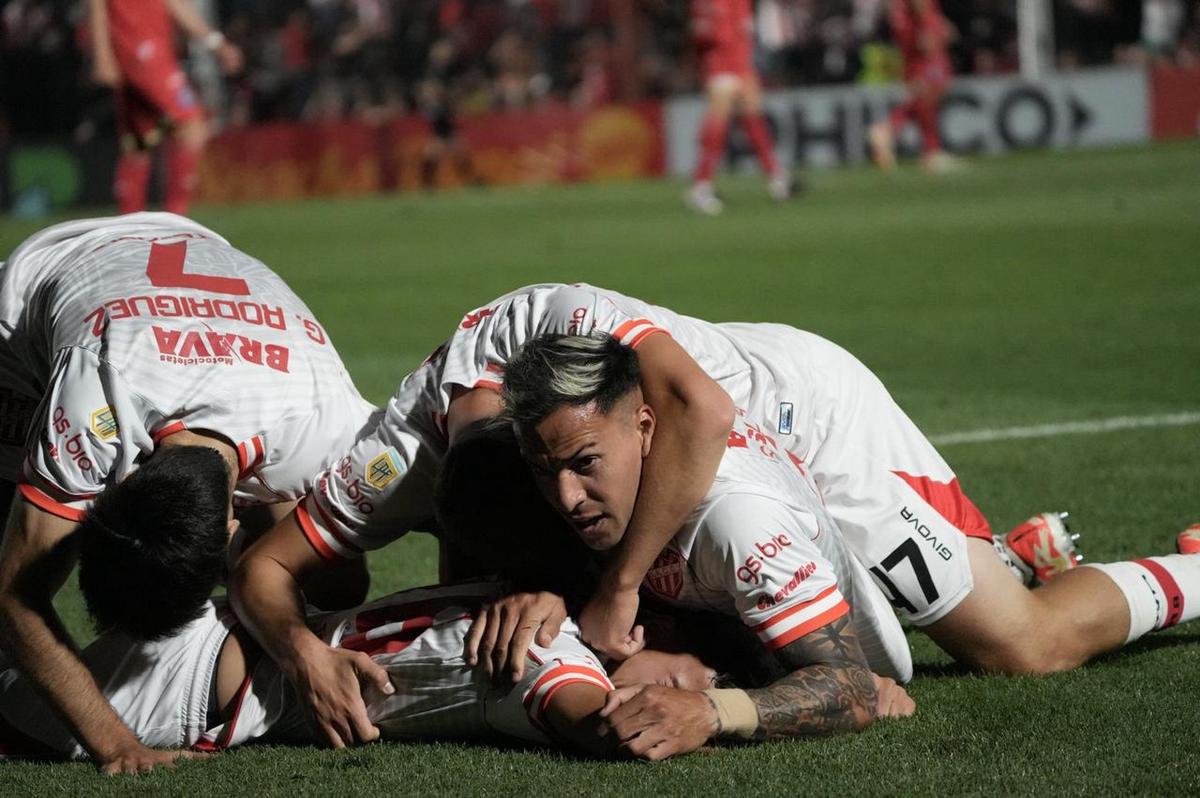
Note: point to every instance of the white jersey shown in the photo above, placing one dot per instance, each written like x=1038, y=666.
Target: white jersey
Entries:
x=125, y=330
x=416, y=635
x=898, y=504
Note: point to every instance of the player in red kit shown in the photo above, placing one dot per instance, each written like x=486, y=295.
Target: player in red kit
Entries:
x=134, y=48
x=724, y=32
x=922, y=34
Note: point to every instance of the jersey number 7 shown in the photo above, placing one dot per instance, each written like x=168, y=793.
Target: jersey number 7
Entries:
x=165, y=270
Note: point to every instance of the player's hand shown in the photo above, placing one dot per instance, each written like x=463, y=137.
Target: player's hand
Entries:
x=607, y=621
x=894, y=700
x=502, y=632
x=683, y=671
x=657, y=722
x=331, y=682
x=133, y=757
x=230, y=57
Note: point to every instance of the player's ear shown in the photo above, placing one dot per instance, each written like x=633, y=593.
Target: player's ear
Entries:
x=645, y=422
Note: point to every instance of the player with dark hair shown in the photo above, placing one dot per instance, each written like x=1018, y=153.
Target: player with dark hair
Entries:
x=922, y=35
x=724, y=34
x=149, y=342
x=134, y=52
x=135, y=576
x=587, y=461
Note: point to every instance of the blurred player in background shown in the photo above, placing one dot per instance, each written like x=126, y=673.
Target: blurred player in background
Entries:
x=724, y=33
x=134, y=53
x=922, y=35
x=153, y=379
x=446, y=143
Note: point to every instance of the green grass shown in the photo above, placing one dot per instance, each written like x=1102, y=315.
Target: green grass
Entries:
x=1033, y=289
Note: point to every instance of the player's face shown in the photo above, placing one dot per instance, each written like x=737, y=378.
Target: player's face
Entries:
x=588, y=465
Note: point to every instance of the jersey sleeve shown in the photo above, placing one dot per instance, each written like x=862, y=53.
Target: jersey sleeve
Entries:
x=487, y=338
x=76, y=440
x=378, y=490
x=761, y=552
x=547, y=670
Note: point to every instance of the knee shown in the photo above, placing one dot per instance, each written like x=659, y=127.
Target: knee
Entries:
x=193, y=134
x=1033, y=654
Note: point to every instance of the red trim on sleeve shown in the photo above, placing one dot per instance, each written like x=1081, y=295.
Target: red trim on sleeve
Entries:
x=314, y=537
x=829, y=616
x=574, y=680
x=554, y=673
x=790, y=611
x=623, y=329
x=491, y=385
x=169, y=429
x=44, y=502
x=644, y=334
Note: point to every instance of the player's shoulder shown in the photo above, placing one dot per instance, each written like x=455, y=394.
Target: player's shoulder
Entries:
x=736, y=513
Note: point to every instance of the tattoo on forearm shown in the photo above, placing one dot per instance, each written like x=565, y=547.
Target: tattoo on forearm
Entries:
x=830, y=689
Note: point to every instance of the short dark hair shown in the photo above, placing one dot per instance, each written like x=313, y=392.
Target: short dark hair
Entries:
x=552, y=371
x=489, y=509
x=152, y=547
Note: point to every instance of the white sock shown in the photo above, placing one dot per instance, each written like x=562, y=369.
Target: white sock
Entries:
x=1160, y=591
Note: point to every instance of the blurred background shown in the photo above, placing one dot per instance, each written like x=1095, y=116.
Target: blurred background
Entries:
x=343, y=97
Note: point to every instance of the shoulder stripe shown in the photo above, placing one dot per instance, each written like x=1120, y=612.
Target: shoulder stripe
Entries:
x=44, y=502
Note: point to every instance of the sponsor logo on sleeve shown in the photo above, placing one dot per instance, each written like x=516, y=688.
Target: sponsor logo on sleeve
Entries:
x=473, y=319
x=665, y=576
x=104, y=423
x=384, y=469
x=577, y=318
x=802, y=573
x=772, y=548
x=785, y=418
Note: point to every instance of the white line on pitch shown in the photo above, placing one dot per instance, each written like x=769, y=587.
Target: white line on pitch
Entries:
x=1066, y=428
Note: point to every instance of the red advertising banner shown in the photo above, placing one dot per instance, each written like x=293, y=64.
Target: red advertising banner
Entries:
x=558, y=144
x=1175, y=102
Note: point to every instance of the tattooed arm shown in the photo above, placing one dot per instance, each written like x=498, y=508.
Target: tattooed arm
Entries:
x=830, y=689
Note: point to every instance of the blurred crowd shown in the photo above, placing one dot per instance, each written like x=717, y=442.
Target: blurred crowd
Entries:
x=329, y=59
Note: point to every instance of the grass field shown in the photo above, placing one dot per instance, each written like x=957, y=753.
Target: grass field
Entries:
x=1031, y=290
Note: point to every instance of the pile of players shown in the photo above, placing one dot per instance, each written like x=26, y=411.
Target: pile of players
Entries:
x=738, y=515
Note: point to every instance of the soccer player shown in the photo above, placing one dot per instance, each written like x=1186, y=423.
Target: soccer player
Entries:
x=897, y=503
x=134, y=52
x=154, y=378
x=724, y=33
x=922, y=35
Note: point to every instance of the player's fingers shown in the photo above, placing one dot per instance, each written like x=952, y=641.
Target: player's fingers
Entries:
x=644, y=741
x=618, y=697
x=371, y=672
x=522, y=639
x=333, y=732
x=509, y=618
x=474, y=635
x=552, y=625
x=488, y=641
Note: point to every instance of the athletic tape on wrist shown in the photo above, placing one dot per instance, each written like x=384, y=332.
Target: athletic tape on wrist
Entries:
x=737, y=716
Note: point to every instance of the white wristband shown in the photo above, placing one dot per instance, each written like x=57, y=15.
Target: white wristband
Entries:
x=214, y=39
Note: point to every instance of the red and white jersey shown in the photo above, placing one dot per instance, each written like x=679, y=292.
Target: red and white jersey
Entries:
x=762, y=546
x=131, y=328
x=416, y=635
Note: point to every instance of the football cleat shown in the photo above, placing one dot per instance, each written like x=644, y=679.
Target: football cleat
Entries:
x=1042, y=548
x=781, y=187
x=1188, y=541
x=941, y=163
x=702, y=199
x=883, y=145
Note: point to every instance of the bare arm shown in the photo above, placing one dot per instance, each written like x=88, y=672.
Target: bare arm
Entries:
x=193, y=24
x=265, y=590
x=36, y=556
x=573, y=717
x=694, y=417
x=830, y=691
x=104, y=61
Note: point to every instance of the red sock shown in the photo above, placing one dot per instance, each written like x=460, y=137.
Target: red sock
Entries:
x=764, y=145
x=899, y=117
x=129, y=185
x=182, y=163
x=712, y=145
x=927, y=120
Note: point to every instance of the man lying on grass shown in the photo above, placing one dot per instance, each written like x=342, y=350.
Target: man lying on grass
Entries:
x=207, y=685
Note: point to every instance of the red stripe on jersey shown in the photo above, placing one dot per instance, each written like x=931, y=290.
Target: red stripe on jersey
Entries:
x=1170, y=588
x=314, y=537
x=628, y=327
x=44, y=502
x=574, y=680
x=644, y=334
x=951, y=503
x=243, y=460
x=259, y=452
x=495, y=368
x=554, y=673
x=535, y=658
x=790, y=611
x=829, y=616
x=430, y=607
x=222, y=742
x=331, y=527
x=491, y=385
x=169, y=429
